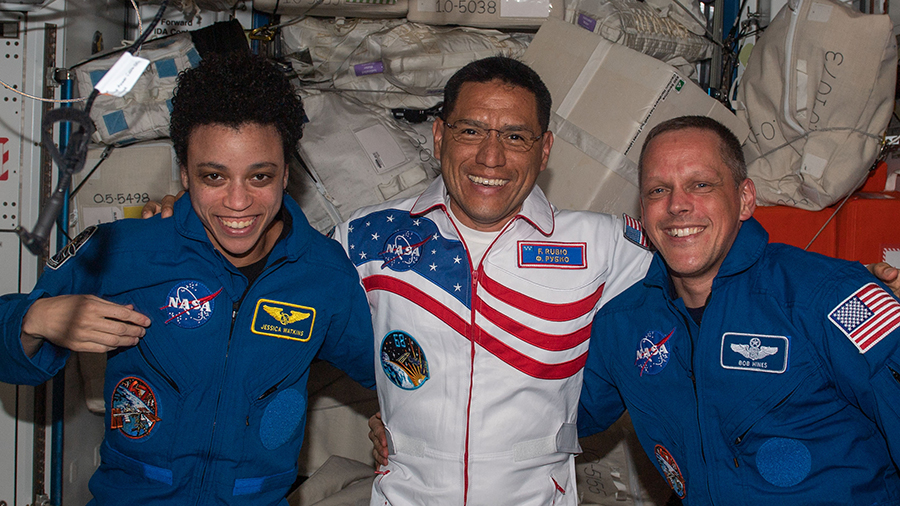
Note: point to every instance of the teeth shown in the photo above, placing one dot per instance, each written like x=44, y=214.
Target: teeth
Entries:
x=683, y=232
x=488, y=182
x=238, y=224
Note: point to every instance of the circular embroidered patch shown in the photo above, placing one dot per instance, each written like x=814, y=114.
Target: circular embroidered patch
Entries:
x=653, y=352
x=670, y=470
x=783, y=462
x=190, y=304
x=402, y=250
x=133, y=410
x=281, y=418
x=403, y=360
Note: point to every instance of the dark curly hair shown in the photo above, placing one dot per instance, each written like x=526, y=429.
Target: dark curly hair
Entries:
x=507, y=70
x=234, y=89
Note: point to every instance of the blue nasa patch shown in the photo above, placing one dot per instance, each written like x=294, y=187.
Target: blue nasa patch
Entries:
x=653, y=352
x=402, y=250
x=403, y=360
x=753, y=352
x=554, y=255
x=190, y=304
x=133, y=410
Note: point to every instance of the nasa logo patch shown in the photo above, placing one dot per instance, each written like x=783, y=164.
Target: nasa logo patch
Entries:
x=402, y=250
x=670, y=470
x=283, y=320
x=133, y=409
x=403, y=360
x=190, y=304
x=69, y=251
x=652, y=352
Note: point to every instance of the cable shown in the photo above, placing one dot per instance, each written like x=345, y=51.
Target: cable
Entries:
x=75, y=154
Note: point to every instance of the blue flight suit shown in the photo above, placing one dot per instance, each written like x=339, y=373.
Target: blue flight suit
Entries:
x=788, y=392
x=210, y=407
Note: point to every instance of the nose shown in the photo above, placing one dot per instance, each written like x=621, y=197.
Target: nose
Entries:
x=679, y=202
x=491, y=152
x=237, y=196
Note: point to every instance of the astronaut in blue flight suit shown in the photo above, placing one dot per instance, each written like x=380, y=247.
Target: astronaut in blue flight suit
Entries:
x=754, y=373
x=211, y=317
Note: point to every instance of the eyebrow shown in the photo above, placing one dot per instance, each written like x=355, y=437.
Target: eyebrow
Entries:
x=482, y=124
x=219, y=166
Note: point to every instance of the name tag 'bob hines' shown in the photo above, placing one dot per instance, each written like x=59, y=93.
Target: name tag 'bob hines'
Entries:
x=283, y=320
x=552, y=255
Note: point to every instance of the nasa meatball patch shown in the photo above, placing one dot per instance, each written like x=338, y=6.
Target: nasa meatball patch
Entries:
x=653, y=352
x=190, y=304
x=133, y=410
x=403, y=360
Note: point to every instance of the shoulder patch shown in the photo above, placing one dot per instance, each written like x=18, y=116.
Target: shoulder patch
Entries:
x=866, y=316
x=634, y=231
x=72, y=248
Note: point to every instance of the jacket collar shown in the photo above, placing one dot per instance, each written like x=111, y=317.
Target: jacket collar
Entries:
x=536, y=209
x=747, y=249
x=291, y=246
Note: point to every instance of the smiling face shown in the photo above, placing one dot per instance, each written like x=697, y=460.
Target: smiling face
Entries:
x=236, y=179
x=691, y=208
x=486, y=182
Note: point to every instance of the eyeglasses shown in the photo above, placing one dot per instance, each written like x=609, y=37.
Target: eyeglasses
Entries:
x=514, y=139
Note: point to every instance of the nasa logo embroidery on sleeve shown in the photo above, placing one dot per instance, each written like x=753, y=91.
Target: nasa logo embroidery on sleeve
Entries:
x=283, y=320
x=552, y=255
x=754, y=352
x=653, y=352
x=69, y=251
x=670, y=470
x=133, y=410
x=403, y=360
x=190, y=304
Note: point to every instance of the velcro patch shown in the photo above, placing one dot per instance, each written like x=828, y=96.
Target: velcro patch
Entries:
x=69, y=251
x=867, y=316
x=283, y=320
x=755, y=352
x=553, y=255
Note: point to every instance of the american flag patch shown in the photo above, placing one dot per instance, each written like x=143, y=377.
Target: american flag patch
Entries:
x=634, y=232
x=867, y=316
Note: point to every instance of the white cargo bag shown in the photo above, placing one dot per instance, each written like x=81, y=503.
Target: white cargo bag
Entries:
x=143, y=113
x=818, y=93
x=356, y=158
x=641, y=27
x=408, y=65
x=486, y=13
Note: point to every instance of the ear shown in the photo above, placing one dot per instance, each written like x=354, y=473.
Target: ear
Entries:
x=437, y=129
x=546, y=144
x=285, y=182
x=184, y=178
x=748, y=199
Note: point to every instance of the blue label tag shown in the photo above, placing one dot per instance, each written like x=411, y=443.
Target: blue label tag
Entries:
x=753, y=352
x=554, y=255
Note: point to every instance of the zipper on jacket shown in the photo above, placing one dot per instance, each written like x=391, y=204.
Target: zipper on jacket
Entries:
x=212, y=435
